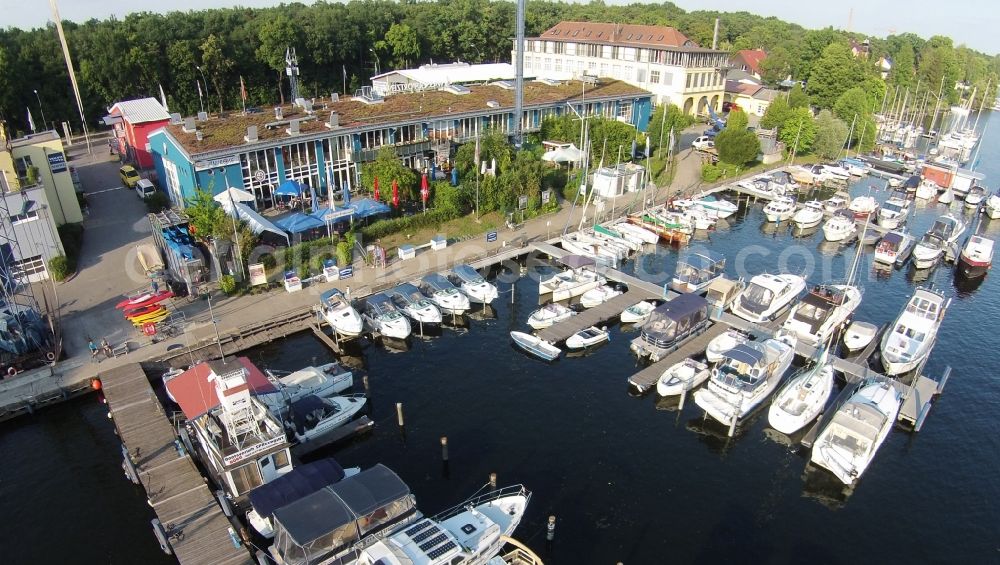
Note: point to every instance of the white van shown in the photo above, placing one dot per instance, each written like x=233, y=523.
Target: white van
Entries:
x=145, y=188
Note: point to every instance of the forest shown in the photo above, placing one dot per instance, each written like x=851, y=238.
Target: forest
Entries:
x=339, y=46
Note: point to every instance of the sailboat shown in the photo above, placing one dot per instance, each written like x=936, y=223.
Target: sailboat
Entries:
x=803, y=398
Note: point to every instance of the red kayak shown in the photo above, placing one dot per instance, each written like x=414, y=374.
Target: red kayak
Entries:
x=147, y=299
x=134, y=311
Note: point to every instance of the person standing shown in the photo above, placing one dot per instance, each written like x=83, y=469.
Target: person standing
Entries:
x=93, y=352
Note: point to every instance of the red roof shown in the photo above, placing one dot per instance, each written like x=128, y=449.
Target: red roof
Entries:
x=619, y=34
x=752, y=58
x=196, y=395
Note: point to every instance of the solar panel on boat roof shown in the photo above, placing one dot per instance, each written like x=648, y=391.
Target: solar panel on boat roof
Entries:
x=427, y=545
x=439, y=551
x=425, y=534
x=419, y=527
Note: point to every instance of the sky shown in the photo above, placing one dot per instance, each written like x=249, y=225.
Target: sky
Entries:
x=970, y=22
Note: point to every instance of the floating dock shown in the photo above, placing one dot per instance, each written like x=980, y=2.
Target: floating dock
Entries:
x=691, y=347
x=593, y=316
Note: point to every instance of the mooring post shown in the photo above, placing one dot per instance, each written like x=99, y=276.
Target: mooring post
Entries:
x=444, y=448
x=399, y=414
x=684, y=392
x=493, y=480
x=550, y=529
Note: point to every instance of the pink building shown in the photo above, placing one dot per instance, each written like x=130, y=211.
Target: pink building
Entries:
x=133, y=121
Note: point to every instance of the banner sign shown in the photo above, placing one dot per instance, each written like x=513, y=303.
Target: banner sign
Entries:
x=347, y=272
x=213, y=163
x=57, y=162
x=491, y=237
x=257, y=274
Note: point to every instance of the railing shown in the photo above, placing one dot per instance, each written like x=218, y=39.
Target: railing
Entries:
x=478, y=499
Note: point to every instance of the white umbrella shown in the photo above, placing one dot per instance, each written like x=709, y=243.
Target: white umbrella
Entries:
x=564, y=155
x=235, y=195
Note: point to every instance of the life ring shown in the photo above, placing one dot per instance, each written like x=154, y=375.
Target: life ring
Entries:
x=11, y=371
x=51, y=356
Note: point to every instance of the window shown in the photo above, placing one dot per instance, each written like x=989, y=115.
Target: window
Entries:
x=21, y=218
x=550, y=46
x=558, y=64
x=570, y=48
x=604, y=69
x=527, y=62
x=654, y=77
x=688, y=85
x=246, y=478
x=616, y=71
x=21, y=165
x=548, y=64
x=668, y=78
x=591, y=66
x=606, y=52
x=280, y=459
x=640, y=75
x=625, y=111
x=644, y=55
x=30, y=266
x=628, y=54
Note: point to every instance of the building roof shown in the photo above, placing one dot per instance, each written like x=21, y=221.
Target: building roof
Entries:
x=140, y=110
x=742, y=88
x=196, y=394
x=751, y=58
x=33, y=138
x=223, y=134
x=618, y=34
x=454, y=73
x=739, y=75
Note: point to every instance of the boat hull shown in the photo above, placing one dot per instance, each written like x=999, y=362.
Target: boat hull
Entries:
x=972, y=269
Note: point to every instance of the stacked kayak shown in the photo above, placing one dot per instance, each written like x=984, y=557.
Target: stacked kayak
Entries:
x=146, y=308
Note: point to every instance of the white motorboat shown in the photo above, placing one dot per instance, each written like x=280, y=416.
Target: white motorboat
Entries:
x=536, y=346
x=587, y=245
x=408, y=298
x=548, y=315
x=840, y=227
x=975, y=196
x=928, y=251
x=383, y=316
x=323, y=381
x=587, y=337
x=722, y=343
x=993, y=206
x=338, y=312
x=637, y=313
x=810, y=215
x=577, y=279
x=597, y=296
x=847, y=445
x=439, y=290
x=722, y=208
x=863, y=207
x=858, y=335
x=669, y=324
x=682, y=377
x=700, y=218
x=948, y=228
x=822, y=311
x=854, y=167
x=782, y=182
x=767, y=296
x=895, y=248
x=976, y=258
x=894, y=211
x=311, y=417
x=624, y=238
x=470, y=282
x=637, y=232
x=836, y=172
x=912, y=335
x=802, y=398
x=747, y=375
x=780, y=209
x=926, y=190
x=169, y=376
x=833, y=204
x=947, y=197
x=697, y=269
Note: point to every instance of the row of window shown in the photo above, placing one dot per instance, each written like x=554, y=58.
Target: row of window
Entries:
x=701, y=80
x=620, y=72
x=622, y=53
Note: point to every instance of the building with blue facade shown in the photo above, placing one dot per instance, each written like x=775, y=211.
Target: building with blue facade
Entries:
x=322, y=142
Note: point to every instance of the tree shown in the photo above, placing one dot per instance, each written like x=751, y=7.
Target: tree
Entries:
x=831, y=134
x=737, y=146
x=665, y=118
x=797, y=98
x=776, y=66
x=855, y=107
x=524, y=178
x=737, y=120
x=776, y=114
x=836, y=71
x=402, y=42
x=215, y=63
x=387, y=167
x=903, y=67
x=798, y=132
x=493, y=145
x=208, y=219
x=276, y=35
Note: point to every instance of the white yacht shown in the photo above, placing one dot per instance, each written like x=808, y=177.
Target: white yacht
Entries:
x=577, y=279
x=637, y=313
x=841, y=226
x=993, y=206
x=810, y=215
x=587, y=337
x=473, y=284
x=548, y=315
x=975, y=196
x=802, y=398
x=722, y=208
x=836, y=172
x=698, y=269
x=859, y=334
x=926, y=190
x=894, y=248
x=949, y=228
x=408, y=298
x=976, y=257
x=338, y=312
x=912, y=335
x=894, y=212
x=325, y=380
x=822, y=311
x=444, y=295
x=637, y=232
x=928, y=251
x=720, y=344
x=682, y=377
x=383, y=316
x=780, y=209
x=767, y=296
x=747, y=375
x=700, y=218
x=599, y=295
x=312, y=417
x=863, y=207
x=833, y=204
x=847, y=445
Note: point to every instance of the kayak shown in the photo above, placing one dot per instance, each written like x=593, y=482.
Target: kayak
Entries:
x=144, y=300
x=140, y=310
x=146, y=315
x=158, y=318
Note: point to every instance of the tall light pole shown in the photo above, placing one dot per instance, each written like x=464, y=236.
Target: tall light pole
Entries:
x=372, y=49
x=42, y=110
x=72, y=73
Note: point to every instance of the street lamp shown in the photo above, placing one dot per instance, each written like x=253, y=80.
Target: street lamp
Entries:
x=372, y=49
x=44, y=122
x=204, y=80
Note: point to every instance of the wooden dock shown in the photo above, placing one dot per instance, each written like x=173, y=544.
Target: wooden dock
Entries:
x=692, y=347
x=196, y=530
x=592, y=316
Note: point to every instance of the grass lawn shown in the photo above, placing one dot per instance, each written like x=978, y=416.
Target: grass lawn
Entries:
x=459, y=228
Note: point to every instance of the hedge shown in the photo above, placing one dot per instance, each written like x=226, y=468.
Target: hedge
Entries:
x=383, y=228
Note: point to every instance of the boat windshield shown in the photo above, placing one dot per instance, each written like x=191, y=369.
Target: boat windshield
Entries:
x=943, y=228
x=756, y=298
x=892, y=207
x=922, y=307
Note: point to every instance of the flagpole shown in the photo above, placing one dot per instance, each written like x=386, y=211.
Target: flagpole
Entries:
x=477, y=170
x=236, y=237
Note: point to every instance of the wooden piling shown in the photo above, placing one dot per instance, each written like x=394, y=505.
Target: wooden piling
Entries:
x=399, y=414
x=444, y=448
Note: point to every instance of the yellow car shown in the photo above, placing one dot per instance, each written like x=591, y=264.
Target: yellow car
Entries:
x=129, y=176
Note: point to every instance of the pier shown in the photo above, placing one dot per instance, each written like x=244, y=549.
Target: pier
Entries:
x=693, y=346
x=593, y=316
x=190, y=524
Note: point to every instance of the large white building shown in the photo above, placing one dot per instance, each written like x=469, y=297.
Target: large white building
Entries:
x=659, y=59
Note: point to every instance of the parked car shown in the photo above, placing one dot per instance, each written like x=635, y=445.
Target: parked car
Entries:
x=130, y=177
x=702, y=143
x=145, y=188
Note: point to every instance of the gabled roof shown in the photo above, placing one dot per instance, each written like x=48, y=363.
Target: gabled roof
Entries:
x=618, y=34
x=140, y=111
x=751, y=58
x=196, y=395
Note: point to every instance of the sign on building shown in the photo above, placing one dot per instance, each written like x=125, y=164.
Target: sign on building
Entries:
x=213, y=163
x=257, y=274
x=546, y=196
x=347, y=272
x=57, y=162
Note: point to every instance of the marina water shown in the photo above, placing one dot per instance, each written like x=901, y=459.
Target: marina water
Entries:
x=628, y=478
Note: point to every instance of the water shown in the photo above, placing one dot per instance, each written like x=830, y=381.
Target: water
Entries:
x=628, y=480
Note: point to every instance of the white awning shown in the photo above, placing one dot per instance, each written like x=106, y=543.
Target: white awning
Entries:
x=258, y=224
x=563, y=155
x=233, y=194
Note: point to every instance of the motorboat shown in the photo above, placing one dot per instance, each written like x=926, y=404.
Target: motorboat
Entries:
x=579, y=277
x=863, y=207
x=822, y=311
x=669, y=324
x=859, y=334
x=854, y=167
x=311, y=417
x=697, y=269
x=325, y=380
x=833, y=204
x=722, y=343
x=548, y=315
x=762, y=186
x=443, y=294
x=722, y=292
x=682, y=377
x=613, y=236
x=408, y=298
x=470, y=282
x=948, y=196
x=637, y=313
x=700, y=218
x=847, y=445
x=926, y=190
x=840, y=227
x=836, y=172
x=895, y=248
x=912, y=335
x=535, y=346
x=894, y=212
x=722, y=208
x=809, y=215
x=993, y=206
x=472, y=532
x=803, y=398
x=599, y=295
x=169, y=376
x=383, y=316
x=587, y=337
x=976, y=258
x=975, y=196
x=338, y=312
x=782, y=182
x=780, y=209
x=949, y=228
x=638, y=232
x=747, y=375
x=301, y=481
x=928, y=251
x=767, y=296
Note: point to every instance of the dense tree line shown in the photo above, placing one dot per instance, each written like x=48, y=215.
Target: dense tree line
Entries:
x=339, y=45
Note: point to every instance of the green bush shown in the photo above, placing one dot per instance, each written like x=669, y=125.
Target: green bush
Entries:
x=712, y=173
x=383, y=228
x=71, y=236
x=157, y=202
x=59, y=268
x=227, y=283
x=343, y=254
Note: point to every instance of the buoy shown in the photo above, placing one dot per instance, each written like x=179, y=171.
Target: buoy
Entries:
x=95, y=383
x=51, y=356
x=11, y=371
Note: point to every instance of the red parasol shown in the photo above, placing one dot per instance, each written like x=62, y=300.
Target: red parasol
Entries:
x=376, y=189
x=395, y=193
x=425, y=191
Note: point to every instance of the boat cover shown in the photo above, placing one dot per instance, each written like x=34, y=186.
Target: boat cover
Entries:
x=746, y=353
x=326, y=297
x=577, y=261
x=467, y=274
x=893, y=238
x=196, y=394
x=408, y=291
x=702, y=260
x=912, y=182
x=437, y=281
x=297, y=483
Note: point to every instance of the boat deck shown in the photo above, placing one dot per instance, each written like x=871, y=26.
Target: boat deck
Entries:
x=692, y=347
x=195, y=526
x=593, y=316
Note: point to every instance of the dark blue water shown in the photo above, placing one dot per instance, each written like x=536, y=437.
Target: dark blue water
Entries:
x=628, y=479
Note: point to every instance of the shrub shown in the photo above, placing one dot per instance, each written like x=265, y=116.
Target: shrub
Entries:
x=269, y=261
x=59, y=268
x=383, y=228
x=227, y=283
x=157, y=202
x=711, y=173
x=343, y=254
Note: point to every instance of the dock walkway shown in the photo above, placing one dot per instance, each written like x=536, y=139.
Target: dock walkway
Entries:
x=592, y=316
x=692, y=347
x=197, y=531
